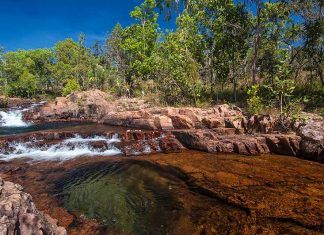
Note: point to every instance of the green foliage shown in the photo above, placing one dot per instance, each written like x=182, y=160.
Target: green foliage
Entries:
x=179, y=79
x=217, y=51
x=255, y=102
x=139, y=43
x=278, y=95
x=71, y=86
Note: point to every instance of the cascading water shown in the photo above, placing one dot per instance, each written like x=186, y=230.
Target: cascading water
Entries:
x=12, y=118
x=62, y=151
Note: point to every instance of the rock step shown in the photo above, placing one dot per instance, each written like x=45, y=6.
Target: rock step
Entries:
x=211, y=141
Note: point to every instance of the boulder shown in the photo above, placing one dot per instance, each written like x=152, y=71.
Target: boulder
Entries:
x=284, y=144
x=147, y=124
x=260, y=124
x=213, y=122
x=91, y=104
x=312, y=144
x=181, y=122
x=163, y=122
x=210, y=141
x=18, y=213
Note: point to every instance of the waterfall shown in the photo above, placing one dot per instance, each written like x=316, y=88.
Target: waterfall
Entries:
x=12, y=118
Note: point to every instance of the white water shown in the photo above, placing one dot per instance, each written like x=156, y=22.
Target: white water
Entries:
x=13, y=118
x=79, y=139
x=65, y=150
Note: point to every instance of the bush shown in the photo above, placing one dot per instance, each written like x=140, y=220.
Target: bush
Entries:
x=255, y=102
x=71, y=86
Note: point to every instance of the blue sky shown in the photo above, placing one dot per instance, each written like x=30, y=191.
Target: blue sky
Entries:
x=29, y=24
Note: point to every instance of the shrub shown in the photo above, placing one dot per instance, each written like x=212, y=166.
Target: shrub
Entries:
x=71, y=86
x=255, y=102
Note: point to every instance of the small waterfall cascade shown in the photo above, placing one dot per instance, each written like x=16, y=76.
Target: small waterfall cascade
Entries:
x=14, y=117
x=64, y=150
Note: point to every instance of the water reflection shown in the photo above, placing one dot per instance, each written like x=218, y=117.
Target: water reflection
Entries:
x=126, y=198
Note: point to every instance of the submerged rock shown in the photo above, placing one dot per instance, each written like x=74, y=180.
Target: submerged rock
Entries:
x=18, y=214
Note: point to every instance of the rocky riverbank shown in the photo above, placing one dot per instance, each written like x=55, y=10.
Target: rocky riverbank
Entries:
x=219, y=189
x=221, y=128
x=18, y=214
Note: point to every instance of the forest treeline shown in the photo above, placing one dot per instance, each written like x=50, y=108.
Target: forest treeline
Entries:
x=220, y=50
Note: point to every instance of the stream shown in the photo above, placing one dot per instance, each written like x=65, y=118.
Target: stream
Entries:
x=114, y=196
x=99, y=179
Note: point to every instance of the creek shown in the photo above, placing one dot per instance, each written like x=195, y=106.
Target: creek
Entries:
x=122, y=197
x=99, y=179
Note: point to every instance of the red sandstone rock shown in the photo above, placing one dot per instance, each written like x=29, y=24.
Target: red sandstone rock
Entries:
x=6, y=102
x=213, y=122
x=261, y=124
x=163, y=122
x=181, y=122
x=312, y=145
x=209, y=141
x=18, y=214
x=98, y=106
x=143, y=124
x=234, y=122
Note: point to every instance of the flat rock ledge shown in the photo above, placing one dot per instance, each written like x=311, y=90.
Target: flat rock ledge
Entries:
x=18, y=213
x=250, y=145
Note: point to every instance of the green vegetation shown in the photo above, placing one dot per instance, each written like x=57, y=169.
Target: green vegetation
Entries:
x=251, y=52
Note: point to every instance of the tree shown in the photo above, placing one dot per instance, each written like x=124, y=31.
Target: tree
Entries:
x=139, y=41
x=225, y=27
x=74, y=61
x=3, y=80
x=178, y=73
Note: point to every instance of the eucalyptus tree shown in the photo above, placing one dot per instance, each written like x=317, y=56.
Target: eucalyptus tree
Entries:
x=139, y=41
x=179, y=67
x=313, y=25
x=225, y=28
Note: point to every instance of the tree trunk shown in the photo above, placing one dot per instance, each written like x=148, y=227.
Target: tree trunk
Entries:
x=256, y=43
x=234, y=75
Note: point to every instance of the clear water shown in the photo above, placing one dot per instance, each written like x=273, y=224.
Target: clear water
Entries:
x=13, y=130
x=126, y=198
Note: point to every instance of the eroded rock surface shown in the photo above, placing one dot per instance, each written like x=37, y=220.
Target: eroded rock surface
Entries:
x=130, y=142
x=211, y=141
x=226, y=127
x=312, y=144
x=18, y=214
x=6, y=102
x=98, y=106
